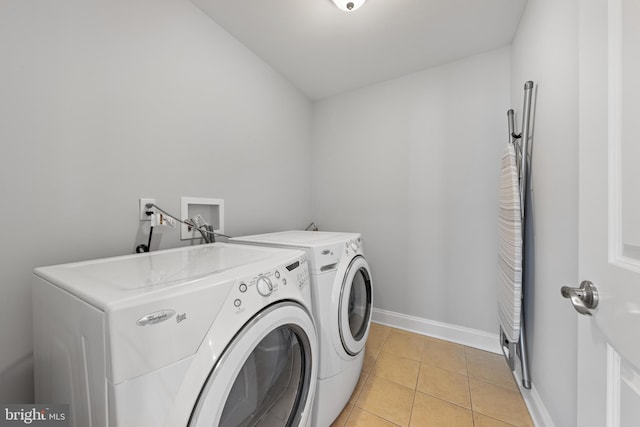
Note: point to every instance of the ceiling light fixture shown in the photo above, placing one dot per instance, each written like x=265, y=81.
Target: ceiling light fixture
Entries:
x=348, y=5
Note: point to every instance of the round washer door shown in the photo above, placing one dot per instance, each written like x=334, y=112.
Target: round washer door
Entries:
x=266, y=376
x=355, y=306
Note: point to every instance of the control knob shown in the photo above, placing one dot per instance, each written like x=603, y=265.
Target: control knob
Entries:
x=264, y=286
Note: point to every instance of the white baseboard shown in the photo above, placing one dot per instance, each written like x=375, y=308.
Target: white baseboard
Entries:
x=539, y=414
x=458, y=334
x=469, y=337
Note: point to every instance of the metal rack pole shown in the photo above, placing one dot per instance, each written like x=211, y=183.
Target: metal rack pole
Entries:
x=513, y=137
x=526, y=119
x=524, y=170
x=522, y=352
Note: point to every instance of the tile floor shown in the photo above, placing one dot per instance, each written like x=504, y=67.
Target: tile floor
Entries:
x=417, y=381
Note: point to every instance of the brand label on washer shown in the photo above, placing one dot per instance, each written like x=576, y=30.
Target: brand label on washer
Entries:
x=155, y=317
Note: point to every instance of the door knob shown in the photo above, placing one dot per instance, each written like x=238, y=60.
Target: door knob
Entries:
x=584, y=299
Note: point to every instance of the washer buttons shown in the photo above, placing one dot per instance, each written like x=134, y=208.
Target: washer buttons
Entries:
x=237, y=303
x=277, y=274
x=284, y=281
x=243, y=287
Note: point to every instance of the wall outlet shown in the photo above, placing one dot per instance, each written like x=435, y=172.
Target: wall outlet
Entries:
x=143, y=209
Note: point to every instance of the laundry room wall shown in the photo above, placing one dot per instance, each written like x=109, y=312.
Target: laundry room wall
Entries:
x=413, y=164
x=545, y=50
x=104, y=102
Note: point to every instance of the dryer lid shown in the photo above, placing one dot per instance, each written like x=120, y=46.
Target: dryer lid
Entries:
x=324, y=248
x=299, y=238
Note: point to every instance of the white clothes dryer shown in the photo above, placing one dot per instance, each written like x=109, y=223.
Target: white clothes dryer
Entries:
x=342, y=299
x=209, y=335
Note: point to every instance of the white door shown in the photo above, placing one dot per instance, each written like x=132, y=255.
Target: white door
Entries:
x=609, y=340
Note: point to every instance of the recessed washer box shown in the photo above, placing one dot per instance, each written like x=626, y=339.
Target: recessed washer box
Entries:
x=211, y=210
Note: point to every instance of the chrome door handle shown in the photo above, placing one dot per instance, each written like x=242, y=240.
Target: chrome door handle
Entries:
x=584, y=299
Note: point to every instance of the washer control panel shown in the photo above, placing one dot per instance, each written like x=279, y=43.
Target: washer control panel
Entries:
x=302, y=277
x=284, y=281
x=353, y=246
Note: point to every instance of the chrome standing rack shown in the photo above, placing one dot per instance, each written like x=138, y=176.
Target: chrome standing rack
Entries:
x=521, y=143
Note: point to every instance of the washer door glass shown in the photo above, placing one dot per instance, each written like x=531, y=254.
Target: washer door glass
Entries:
x=267, y=389
x=355, y=306
x=269, y=386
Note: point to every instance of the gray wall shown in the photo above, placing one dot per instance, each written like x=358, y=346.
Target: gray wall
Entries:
x=106, y=102
x=545, y=50
x=413, y=164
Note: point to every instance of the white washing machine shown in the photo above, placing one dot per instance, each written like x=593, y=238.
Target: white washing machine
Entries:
x=210, y=335
x=341, y=294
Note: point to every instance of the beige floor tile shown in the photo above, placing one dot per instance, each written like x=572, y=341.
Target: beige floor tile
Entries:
x=444, y=384
x=431, y=412
x=397, y=369
x=343, y=417
x=489, y=367
x=377, y=336
x=405, y=344
x=409, y=379
x=369, y=359
x=497, y=402
x=358, y=388
x=484, y=421
x=386, y=399
x=445, y=355
x=361, y=418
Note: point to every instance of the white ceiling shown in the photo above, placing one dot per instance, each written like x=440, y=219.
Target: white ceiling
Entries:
x=324, y=51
